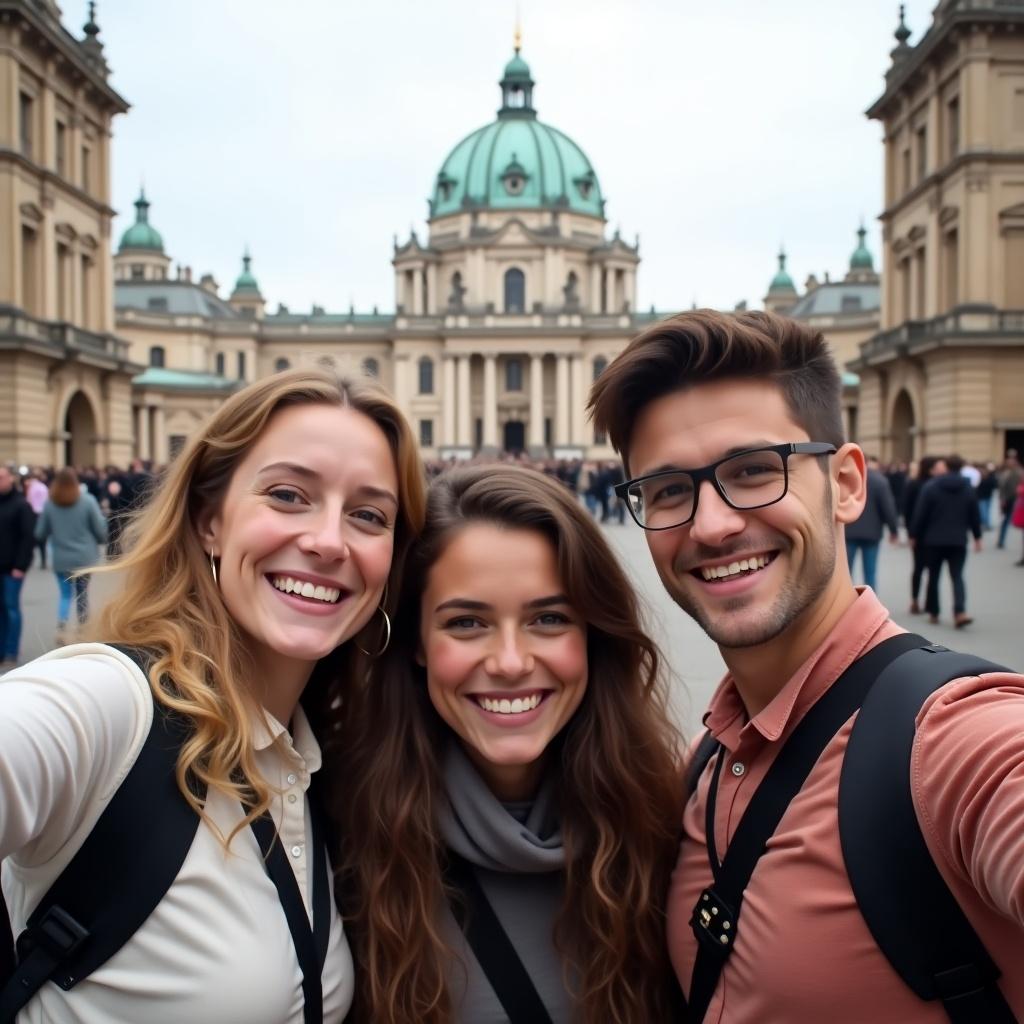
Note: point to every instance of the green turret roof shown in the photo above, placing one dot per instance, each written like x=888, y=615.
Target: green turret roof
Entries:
x=246, y=282
x=782, y=282
x=142, y=234
x=517, y=161
x=862, y=258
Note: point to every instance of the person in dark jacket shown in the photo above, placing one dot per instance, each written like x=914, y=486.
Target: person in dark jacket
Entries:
x=865, y=533
x=946, y=510
x=928, y=467
x=17, y=545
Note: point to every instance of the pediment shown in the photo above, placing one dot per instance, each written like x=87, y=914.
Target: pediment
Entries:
x=1012, y=216
x=31, y=213
x=514, y=232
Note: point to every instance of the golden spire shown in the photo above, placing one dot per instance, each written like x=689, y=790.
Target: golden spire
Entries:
x=518, y=38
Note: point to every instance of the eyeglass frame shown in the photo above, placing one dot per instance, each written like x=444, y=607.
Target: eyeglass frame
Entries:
x=709, y=473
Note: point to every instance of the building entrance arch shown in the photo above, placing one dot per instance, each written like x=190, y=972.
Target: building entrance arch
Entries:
x=903, y=428
x=515, y=436
x=80, y=432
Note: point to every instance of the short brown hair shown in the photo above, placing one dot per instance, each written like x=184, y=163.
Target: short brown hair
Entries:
x=704, y=345
x=65, y=490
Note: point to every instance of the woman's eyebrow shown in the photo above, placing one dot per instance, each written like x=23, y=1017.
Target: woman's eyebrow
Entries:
x=464, y=603
x=291, y=467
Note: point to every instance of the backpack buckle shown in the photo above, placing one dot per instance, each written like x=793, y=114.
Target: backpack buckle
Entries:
x=57, y=932
x=714, y=923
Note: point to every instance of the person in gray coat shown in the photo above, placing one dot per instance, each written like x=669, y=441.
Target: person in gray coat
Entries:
x=865, y=534
x=73, y=523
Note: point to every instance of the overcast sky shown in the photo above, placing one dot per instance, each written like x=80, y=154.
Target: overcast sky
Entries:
x=313, y=130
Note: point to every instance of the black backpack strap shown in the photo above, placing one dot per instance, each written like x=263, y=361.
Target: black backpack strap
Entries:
x=702, y=754
x=491, y=945
x=118, y=876
x=908, y=908
x=716, y=916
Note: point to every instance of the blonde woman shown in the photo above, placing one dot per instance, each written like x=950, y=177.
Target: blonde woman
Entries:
x=258, y=574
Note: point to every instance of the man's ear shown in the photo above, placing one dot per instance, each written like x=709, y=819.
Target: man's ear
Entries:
x=208, y=528
x=849, y=483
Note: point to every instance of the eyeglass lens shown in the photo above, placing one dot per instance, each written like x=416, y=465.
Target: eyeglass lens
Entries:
x=748, y=480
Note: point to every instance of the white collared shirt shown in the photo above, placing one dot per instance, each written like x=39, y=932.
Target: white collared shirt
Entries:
x=217, y=949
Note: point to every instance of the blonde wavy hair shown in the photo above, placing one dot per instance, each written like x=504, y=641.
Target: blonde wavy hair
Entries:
x=170, y=605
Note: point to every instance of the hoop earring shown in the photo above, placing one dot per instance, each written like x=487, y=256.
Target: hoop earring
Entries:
x=213, y=569
x=387, y=636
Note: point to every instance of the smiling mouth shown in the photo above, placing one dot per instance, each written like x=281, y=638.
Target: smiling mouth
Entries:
x=310, y=591
x=733, y=570
x=506, y=706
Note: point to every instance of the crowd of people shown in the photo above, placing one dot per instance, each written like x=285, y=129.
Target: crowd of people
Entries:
x=942, y=503
x=348, y=746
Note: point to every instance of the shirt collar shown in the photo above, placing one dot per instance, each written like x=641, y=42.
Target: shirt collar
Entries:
x=726, y=716
x=301, y=742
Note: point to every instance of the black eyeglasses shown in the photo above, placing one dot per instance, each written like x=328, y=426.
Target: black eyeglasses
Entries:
x=745, y=480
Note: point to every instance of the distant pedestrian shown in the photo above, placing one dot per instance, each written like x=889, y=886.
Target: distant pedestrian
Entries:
x=985, y=490
x=1018, y=516
x=927, y=467
x=946, y=511
x=865, y=533
x=73, y=522
x=36, y=493
x=1010, y=479
x=898, y=476
x=16, y=549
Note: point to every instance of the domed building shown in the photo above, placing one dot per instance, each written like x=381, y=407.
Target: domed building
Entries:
x=504, y=315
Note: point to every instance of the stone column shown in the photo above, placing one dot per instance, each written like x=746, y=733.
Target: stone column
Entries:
x=578, y=402
x=463, y=432
x=490, y=432
x=595, y=288
x=142, y=432
x=159, y=436
x=401, y=391
x=434, y=301
x=536, y=439
x=561, y=400
x=448, y=400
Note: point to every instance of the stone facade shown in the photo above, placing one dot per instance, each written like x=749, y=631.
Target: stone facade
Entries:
x=946, y=371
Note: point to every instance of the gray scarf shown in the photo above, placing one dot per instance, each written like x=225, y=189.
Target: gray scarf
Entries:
x=489, y=834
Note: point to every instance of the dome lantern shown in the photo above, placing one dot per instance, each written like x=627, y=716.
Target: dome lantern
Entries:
x=782, y=282
x=862, y=258
x=142, y=234
x=246, y=283
x=517, y=86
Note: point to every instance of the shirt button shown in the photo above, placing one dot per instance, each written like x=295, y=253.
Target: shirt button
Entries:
x=292, y=779
x=738, y=768
x=292, y=798
x=296, y=851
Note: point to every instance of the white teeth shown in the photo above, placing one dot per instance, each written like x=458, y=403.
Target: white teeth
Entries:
x=509, y=707
x=720, y=572
x=329, y=595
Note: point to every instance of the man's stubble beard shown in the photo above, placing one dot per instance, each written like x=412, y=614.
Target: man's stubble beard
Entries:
x=798, y=593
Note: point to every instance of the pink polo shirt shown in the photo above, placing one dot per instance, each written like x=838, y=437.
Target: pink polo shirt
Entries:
x=803, y=954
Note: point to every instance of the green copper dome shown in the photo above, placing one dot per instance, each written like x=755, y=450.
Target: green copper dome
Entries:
x=246, y=281
x=782, y=282
x=862, y=258
x=517, y=162
x=142, y=234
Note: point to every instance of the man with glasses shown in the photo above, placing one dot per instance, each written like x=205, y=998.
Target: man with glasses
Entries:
x=737, y=470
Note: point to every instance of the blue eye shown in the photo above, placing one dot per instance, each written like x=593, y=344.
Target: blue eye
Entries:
x=285, y=495
x=552, y=619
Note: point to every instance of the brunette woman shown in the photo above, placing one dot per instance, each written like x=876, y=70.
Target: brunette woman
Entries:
x=265, y=554
x=510, y=754
x=72, y=522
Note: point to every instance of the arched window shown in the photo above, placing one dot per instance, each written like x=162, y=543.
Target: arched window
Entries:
x=156, y=355
x=220, y=364
x=426, y=367
x=371, y=367
x=600, y=365
x=515, y=291
x=514, y=375
x=281, y=364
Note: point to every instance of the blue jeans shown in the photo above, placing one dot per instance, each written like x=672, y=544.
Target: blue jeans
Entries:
x=868, y=559
x=10, y=617
x=77, y=587
x=985, y=508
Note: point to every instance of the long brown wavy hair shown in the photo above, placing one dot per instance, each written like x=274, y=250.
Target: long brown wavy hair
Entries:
x=169, y=603
x=619, y=782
